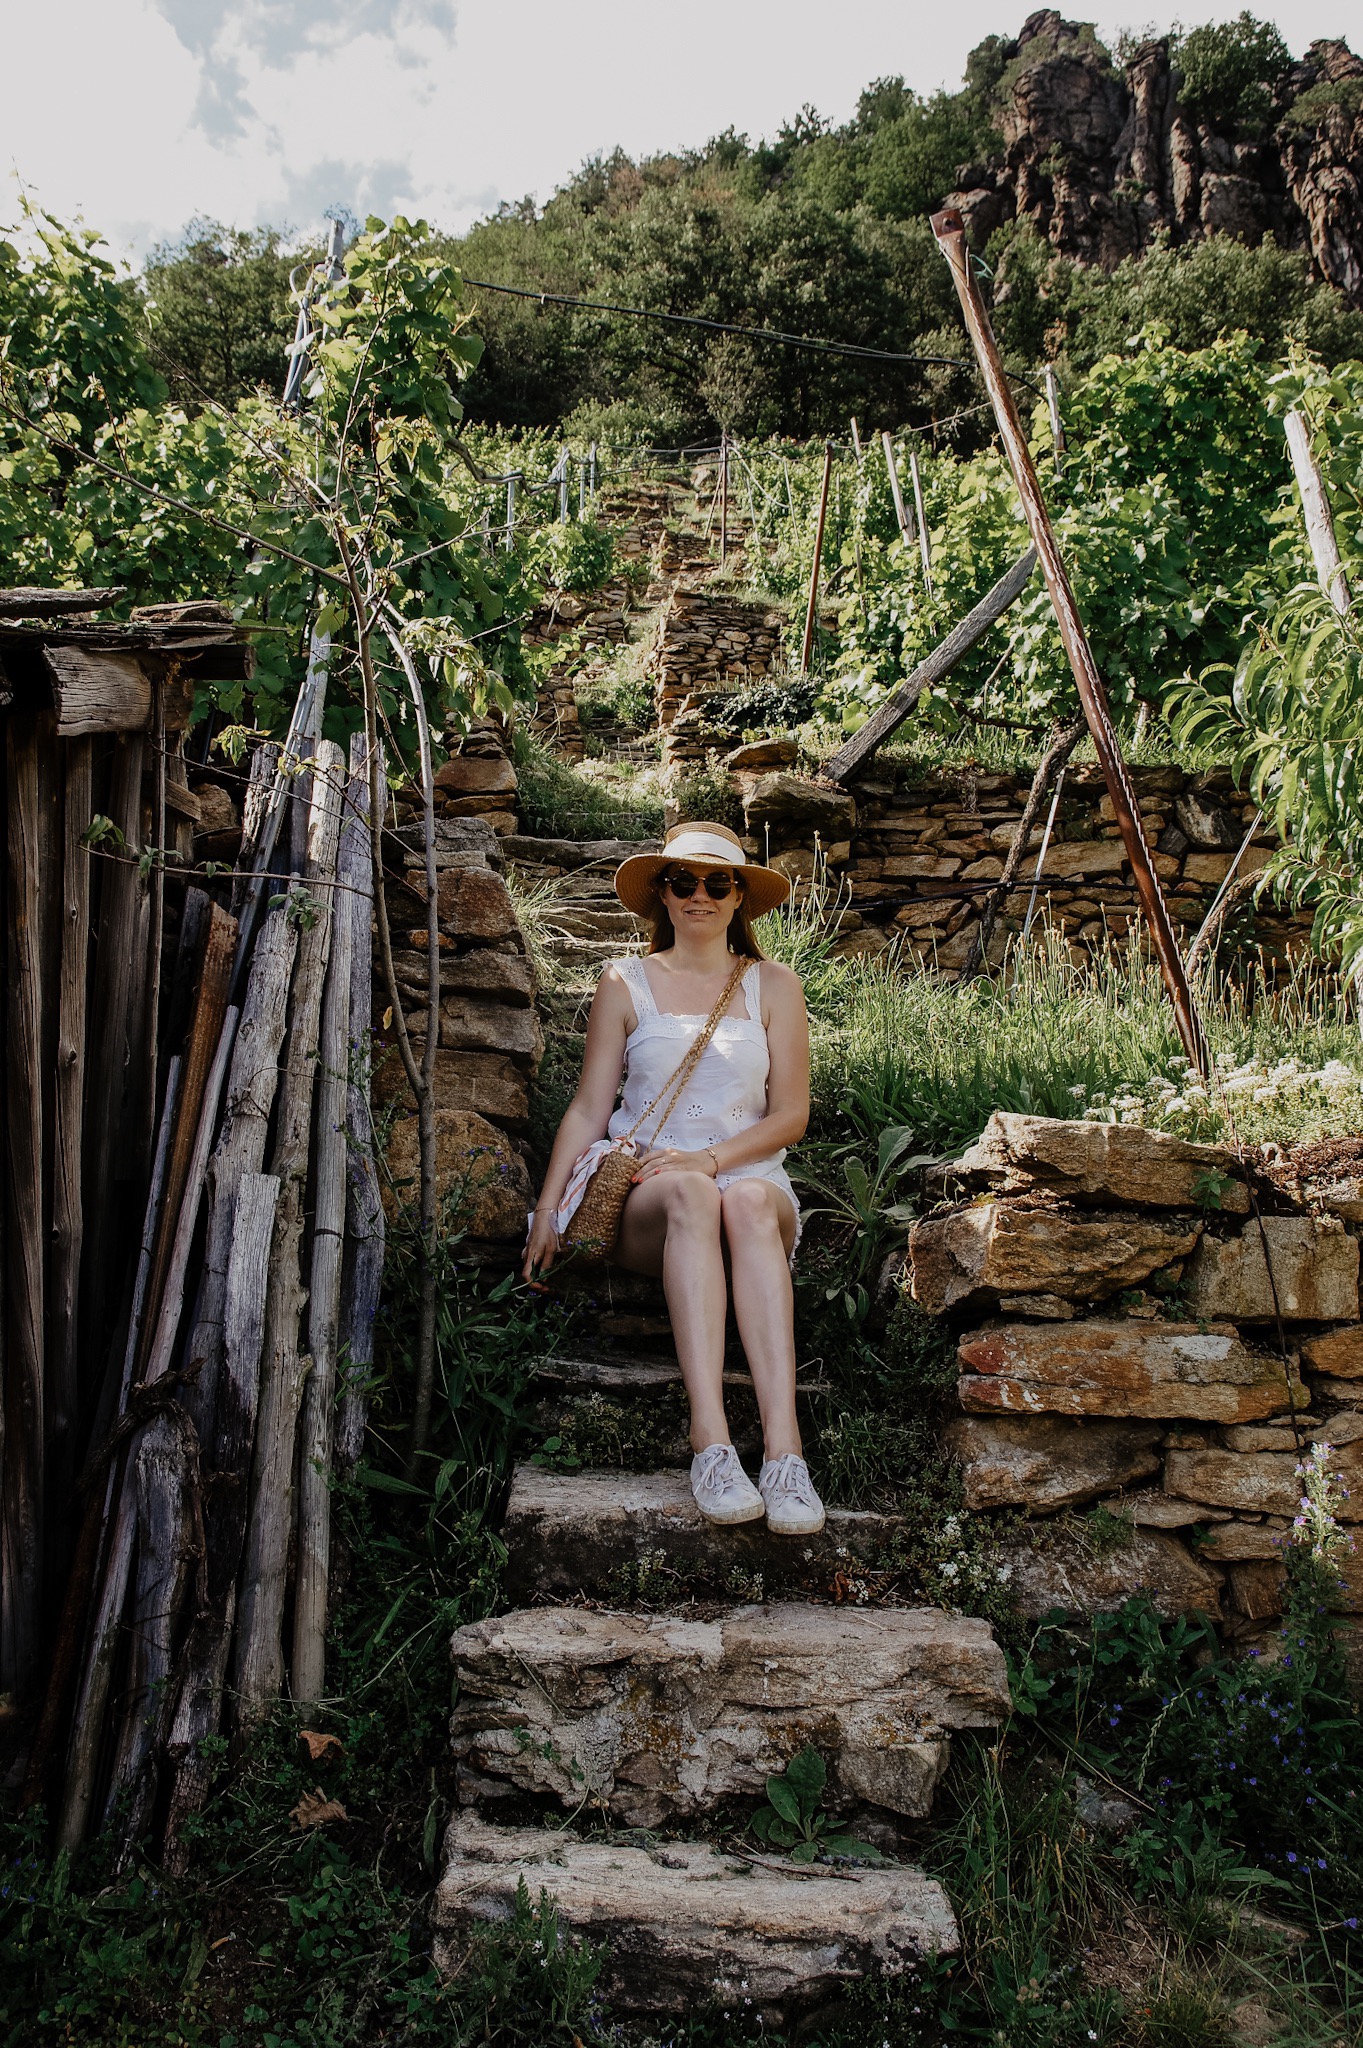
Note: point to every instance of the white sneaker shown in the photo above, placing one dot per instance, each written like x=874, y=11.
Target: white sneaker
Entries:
x=722, y=1489
x=793, y=1507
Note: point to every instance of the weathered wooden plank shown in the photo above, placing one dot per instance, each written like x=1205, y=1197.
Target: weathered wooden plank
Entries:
x=943, y=658
x=97, y=692
x=22, y=1509
x=171, y=1305
x=112, y=1036
x=205, y=1033
x=68, y=1212
x=162, y=1485
x=259, y=1662
x=240, y=1150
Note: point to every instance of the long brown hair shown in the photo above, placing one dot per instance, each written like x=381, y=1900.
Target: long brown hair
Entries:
x=742, y=937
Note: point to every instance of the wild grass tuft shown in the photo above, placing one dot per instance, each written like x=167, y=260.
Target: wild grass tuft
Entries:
x=1049, y=1037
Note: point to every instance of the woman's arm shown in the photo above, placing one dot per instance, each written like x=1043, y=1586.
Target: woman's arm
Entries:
x=787, y=1027
x=585, y=1120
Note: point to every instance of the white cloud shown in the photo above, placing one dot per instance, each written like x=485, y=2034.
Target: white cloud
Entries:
x=144, y=113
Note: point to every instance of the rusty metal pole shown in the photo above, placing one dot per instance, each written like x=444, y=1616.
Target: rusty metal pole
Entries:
x=949, y=229
x=812, y=608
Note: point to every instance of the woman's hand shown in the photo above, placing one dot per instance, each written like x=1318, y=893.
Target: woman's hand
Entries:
x=541, y=1247
x=667, y=1159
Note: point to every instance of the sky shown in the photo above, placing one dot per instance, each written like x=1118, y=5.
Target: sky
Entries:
x=141, y=114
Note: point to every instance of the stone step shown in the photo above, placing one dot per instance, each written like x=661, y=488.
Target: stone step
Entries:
x=574, y=1532
x=654, y=1719
x=638, y=1375
x=686, y=1925
x=527, y=850
x=582, y=920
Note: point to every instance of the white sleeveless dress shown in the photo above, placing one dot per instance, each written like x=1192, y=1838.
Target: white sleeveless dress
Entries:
x=726, y=1092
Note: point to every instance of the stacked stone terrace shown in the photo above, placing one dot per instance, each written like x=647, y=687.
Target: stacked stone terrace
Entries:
x=1118, y=1304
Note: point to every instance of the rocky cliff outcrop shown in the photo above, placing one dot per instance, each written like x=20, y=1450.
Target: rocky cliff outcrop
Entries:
x=1100, y=158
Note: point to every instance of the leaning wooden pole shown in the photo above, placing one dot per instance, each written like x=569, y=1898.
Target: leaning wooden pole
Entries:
x=812, y=608
x=312, y=1573
x=1315, y=504
x=363, y=1271
x=949, y=229
x=943, y=658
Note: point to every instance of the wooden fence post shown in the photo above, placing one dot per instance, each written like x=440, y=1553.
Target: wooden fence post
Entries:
x=1057, y=424
x=905, y=527
x=812, y=608
x=924, y=541
x=723, y=496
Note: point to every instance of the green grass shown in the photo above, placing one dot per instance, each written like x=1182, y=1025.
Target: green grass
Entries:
x=558, y=801
x=1047, y=1037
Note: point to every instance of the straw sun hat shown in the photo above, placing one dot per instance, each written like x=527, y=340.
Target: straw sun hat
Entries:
x=698, y=845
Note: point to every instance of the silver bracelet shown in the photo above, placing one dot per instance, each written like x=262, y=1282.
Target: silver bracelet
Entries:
x=714, y=1157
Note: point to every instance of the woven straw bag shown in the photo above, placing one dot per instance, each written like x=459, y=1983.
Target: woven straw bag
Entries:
x=594, y=1227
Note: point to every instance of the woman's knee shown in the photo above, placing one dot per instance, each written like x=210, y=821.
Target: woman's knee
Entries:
x=690, y=1198
x=750, y=1205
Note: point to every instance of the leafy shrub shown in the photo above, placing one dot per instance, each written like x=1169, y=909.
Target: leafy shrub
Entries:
x=576, y=554
x=710, y=795
x=1312, y=108
x=765, y=707
x=1230, y=69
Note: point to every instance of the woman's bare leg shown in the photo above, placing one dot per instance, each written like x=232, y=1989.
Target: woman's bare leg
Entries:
x=759, y=1233
x=671, y=1226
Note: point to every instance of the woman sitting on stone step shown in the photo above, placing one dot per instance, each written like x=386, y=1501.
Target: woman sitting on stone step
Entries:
x=710, y=1202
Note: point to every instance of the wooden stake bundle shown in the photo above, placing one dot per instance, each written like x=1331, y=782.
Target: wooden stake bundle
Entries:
x=258, y=1660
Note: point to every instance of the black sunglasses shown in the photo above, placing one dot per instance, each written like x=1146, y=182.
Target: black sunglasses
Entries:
x=684, y=884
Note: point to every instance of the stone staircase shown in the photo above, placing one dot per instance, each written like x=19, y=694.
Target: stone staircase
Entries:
x=625, y=1685
x=584, y=924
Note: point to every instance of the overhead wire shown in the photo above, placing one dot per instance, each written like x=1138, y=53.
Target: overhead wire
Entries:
x=856, y=350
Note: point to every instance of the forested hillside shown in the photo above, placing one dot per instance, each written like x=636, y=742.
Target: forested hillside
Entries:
x=1202, y=180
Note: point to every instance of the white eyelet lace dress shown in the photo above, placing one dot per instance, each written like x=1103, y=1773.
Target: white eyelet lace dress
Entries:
x=726, y=1093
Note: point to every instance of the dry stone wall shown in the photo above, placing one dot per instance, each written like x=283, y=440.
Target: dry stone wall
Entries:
x=1116, y=1308
x=918, y=852
x=490, y=1041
